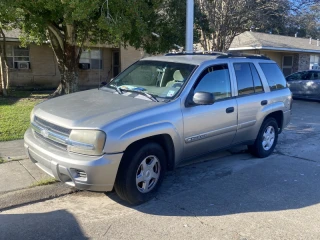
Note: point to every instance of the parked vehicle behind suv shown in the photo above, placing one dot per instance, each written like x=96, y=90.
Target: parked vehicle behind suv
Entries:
x=305, y=84
x=159, y=112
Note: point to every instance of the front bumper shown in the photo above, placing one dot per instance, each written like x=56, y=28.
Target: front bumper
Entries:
x=95, y=173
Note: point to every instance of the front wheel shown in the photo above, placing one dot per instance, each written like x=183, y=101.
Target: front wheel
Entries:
x=266, y=140
x=140, y=173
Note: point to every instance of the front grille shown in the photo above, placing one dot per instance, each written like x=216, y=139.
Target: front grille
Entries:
x=63, y=132
x=52, y=127
x=58, y=145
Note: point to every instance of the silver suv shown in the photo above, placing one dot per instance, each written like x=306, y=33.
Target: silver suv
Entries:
x=156, y=114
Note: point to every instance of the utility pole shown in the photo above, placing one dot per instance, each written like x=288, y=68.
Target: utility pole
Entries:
x=189, y=26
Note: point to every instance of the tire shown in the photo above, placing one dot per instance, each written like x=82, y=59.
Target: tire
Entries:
x=140, y=173
x=269, y=131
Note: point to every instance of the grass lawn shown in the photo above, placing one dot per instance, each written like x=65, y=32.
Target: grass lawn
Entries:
x=15, y=114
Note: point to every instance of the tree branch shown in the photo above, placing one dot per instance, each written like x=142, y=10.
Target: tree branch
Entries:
x=58, y=35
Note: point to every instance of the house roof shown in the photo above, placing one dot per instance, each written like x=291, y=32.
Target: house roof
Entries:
x=263, y=41
x=12, y=35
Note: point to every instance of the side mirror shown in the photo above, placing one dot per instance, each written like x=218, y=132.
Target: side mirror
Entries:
x=203, y=98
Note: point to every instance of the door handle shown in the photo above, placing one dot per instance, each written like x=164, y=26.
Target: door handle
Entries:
x=230, y=110
x=264, y=102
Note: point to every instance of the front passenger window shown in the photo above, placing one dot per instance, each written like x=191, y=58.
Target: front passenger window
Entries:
x=216, y=80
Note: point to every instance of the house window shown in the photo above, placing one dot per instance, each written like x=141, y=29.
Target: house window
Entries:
x=90, y=59
x=18, y=57
x=287, y=63
x=314, y=61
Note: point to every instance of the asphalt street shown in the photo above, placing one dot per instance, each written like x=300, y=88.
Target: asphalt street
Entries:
x=228, y=195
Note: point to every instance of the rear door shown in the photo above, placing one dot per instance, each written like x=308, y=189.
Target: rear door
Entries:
x=250, y=100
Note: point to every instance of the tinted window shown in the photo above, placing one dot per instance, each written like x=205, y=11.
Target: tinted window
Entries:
x=274, y=76
x=256, y=79
x=244, y=78
x=307, y=76
x=216, y=80
x=295, y=76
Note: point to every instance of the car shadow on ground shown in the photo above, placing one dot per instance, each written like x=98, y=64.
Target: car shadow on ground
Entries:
x=236, y=184
x=288, y=179
x=52, y=225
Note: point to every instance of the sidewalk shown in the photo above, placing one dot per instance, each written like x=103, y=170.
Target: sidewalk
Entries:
x=17, y=172
x=21, y=179
x=12, y=150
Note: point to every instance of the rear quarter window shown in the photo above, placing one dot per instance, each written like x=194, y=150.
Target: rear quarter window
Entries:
x=274, y=76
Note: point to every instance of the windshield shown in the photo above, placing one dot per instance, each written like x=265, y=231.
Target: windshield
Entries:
x=160, y=79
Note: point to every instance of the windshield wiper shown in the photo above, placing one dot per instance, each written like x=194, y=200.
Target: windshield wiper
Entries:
x=148, y=95
x=119, y=90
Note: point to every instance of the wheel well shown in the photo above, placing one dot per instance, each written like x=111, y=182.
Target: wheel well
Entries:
x=278, y=116
x=164, y=140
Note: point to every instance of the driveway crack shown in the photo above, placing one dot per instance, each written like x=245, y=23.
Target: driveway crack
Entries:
x=28, y=171
x=189, y=212
x=301, y=158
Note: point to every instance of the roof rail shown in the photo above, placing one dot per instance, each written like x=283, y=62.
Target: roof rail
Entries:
x=212, y=53
x=244, y=55
x=221, y=55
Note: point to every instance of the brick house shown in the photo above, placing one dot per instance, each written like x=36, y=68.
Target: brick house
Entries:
x=292, y=54
x=36, y=65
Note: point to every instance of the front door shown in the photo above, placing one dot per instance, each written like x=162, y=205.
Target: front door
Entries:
x=295, y=83
x=210, y=127
x=310, y=87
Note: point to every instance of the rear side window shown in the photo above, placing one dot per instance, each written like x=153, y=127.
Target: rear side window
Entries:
x=248, y=79
x=274, y=76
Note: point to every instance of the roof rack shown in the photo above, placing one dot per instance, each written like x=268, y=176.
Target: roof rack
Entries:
x=244, y=55
x=221, y=55
x=212, y=53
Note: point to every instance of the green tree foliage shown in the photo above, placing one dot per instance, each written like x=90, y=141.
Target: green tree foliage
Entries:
x=69, y=25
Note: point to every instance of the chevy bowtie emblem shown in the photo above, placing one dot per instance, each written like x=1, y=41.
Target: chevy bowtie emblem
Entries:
x=45, y=133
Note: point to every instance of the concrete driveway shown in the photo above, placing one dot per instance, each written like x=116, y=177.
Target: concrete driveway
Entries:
x=233, y=196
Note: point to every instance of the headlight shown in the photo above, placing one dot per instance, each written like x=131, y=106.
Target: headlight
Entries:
x=89, y=142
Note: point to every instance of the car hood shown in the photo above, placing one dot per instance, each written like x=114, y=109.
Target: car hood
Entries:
x=90, y=109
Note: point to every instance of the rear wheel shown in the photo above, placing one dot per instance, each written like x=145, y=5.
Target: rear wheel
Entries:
x=140, y=173
x=266, y=140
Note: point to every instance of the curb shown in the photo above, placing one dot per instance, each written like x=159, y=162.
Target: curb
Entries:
x=32, y=195
x=16, y=158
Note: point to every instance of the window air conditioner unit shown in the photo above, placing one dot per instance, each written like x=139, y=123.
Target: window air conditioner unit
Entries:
x=84, y=66
x=23, y=65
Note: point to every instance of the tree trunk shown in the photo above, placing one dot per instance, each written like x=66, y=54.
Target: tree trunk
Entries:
x=3, y=82
x=67, y=55
x=3, y=65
